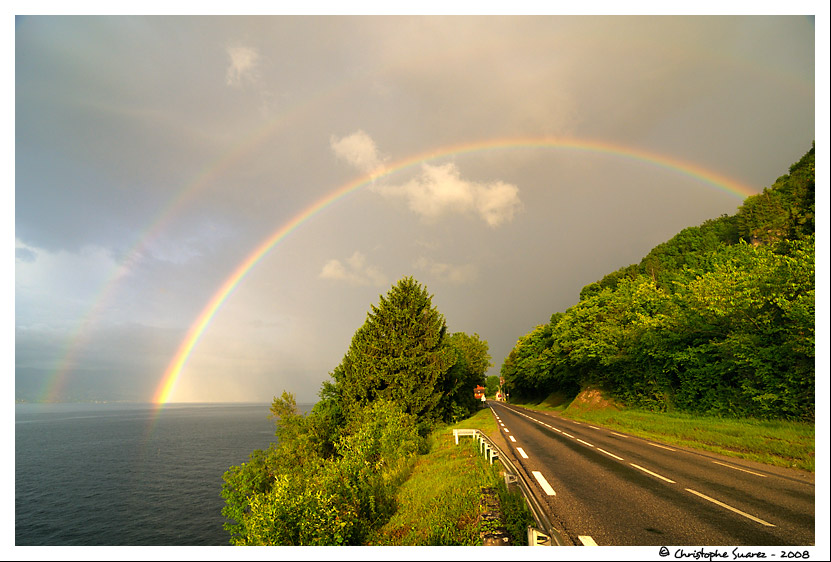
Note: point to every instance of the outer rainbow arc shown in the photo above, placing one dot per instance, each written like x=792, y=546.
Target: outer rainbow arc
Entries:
x=53, y=383
x=174, y=369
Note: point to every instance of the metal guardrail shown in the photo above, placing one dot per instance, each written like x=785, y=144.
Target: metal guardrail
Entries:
x=544, y=533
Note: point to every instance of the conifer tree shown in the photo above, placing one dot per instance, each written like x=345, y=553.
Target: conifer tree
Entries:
x=399, y=354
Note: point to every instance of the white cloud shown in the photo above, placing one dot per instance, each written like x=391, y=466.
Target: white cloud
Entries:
x=243, y=65
x=358, y=150
x=497, y=202
x=441, y=189
x=438, y=190
x=354, y=272
x=456, y=274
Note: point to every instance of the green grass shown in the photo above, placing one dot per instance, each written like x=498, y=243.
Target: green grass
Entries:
x=439, y=503
x=774, y=442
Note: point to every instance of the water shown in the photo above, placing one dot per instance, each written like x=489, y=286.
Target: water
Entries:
x=127, y=474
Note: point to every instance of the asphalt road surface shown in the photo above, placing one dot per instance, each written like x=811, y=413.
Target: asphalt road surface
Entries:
x=607, y=488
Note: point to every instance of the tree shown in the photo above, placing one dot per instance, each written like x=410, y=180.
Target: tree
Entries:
x=491, y=385
x=527, y=369
x=757, y=310
x=472, y=361
x=399, y=354
x=786, y=209
x=718, y=320
x=331, y=477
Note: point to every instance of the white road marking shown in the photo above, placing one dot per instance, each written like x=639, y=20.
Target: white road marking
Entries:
x=511, y=437
x=731, y=508
x=610, y=454
x=522, y=452
x=742, y=469
x=586, y=540
x=591, y=426
x=652, y=473
x=619, y=435
x=557, y=430
x=661, y=446
x=585, y=443
x=567, y=435
x=506, y=430
x=544, y=483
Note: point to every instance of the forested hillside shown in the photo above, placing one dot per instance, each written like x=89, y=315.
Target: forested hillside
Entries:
x=717, y=320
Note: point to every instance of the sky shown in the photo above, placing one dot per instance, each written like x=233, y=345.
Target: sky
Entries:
x=215, y=202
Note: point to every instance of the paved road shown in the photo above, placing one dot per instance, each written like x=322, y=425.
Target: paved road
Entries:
x=608, y=488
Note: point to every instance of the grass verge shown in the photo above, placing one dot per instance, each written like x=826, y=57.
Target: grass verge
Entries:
x=773, y=442
x=439, y=504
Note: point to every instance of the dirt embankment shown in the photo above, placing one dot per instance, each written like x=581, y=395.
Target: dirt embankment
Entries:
x=592, y=399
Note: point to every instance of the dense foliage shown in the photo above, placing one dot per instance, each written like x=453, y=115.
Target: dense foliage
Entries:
x=331, y=477
x=491, y=385
x=717, y=320
x=400, y=353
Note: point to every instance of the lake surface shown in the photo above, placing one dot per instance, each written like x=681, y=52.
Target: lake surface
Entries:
x=129, y=474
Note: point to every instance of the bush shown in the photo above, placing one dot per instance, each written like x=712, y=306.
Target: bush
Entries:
x=323, y=501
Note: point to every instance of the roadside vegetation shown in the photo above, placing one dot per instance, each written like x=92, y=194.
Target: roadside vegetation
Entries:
x=782, y=443
x=717, y=321
x=439, y=504
x=708, y=342
x=333, y=474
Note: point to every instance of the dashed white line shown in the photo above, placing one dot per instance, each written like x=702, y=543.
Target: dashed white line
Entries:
x=544, y=483
x=731, y=508
x=550, y=491
x=511, y=437
x=586, y=540
x=652, y=473
x=742, y=469
x=506, y=430
x=610, y=454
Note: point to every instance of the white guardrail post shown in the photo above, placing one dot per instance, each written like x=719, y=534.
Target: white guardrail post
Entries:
x=536, y=537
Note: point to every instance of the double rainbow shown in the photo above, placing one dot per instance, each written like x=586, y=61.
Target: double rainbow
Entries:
x=174, y=370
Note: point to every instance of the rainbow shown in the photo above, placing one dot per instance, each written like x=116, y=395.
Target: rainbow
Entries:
x=53, y=384
x=174, y=370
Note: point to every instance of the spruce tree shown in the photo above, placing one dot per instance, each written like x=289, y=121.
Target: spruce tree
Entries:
x=399, y=354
